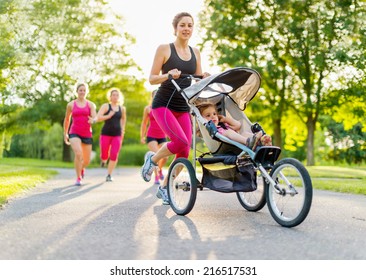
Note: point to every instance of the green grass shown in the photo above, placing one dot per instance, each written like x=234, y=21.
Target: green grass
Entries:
x=16, y=178
x=17, y=175
x=34, y=163
x=337, y=172
x=339, y=179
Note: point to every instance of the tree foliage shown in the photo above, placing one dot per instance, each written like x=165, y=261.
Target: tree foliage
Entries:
x=346, y=145
x=65, y=42
x=303, y=49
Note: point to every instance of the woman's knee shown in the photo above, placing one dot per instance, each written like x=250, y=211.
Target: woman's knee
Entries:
x=183, y=154
x=79, y=156
x=181, y=149
x=113, y=157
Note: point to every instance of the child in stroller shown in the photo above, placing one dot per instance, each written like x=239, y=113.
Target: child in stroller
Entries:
x=230, y=127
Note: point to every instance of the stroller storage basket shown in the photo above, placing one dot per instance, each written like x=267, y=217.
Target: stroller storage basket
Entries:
x=227, y=174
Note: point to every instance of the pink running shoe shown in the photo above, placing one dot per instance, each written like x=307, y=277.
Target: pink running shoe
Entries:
x=156, y=182
x=161, y=175
x=78, y=182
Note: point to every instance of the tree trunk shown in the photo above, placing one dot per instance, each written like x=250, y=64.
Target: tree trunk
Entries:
x=310, y=125
x=277, y=138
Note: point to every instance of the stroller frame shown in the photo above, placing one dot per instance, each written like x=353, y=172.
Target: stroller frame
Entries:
x=286, y=185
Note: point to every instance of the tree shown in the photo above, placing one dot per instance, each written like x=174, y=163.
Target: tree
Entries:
x=65, y=42
x=7, y=63
x=299, y=47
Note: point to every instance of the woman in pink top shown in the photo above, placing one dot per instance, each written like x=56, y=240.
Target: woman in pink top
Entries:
x=154, y=136
x=79, y=135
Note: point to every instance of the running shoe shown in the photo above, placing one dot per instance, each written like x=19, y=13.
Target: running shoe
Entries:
x=157, y=182
x=162, y=193
x=109, y=178
x=78, y=182
x=148, y=167
x=161, y=175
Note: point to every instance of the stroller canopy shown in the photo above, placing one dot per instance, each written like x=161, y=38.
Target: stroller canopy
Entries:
x=240, y=83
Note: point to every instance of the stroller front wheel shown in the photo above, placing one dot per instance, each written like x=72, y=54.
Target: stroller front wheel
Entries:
x=290, y=200
x=182, y=186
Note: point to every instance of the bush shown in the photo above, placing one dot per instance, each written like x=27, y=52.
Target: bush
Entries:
x=52, y=143
x=132, y=154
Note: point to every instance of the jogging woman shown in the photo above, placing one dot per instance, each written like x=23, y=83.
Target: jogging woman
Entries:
x=169, y=108
x=114, y=116
x=79, y=135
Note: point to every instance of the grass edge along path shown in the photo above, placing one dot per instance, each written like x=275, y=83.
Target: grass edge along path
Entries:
x=339, y=179
x=18, y=175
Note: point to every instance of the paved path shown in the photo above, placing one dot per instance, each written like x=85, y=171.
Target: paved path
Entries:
x=123, y=220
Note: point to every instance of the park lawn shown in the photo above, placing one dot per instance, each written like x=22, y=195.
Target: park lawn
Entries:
x=18, y=175
x=339, y=179
x=15, y=179
x=35, y=163
x=337, y=172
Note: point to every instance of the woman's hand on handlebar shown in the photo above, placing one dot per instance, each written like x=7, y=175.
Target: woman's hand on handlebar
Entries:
x=175, y=73
x=205, y=75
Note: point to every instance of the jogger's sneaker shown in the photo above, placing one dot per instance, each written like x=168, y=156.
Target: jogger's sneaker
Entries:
x=161, y=175
x=148, y=167
x=109, y=178
x=157, y=182
x=162, y=193
x=78, y=182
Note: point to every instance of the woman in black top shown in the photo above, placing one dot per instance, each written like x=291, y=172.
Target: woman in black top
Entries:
x=114, y=116
x=169, y=107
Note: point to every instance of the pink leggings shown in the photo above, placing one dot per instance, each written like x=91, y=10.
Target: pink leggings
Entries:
x=110, y=146
x=178, y=127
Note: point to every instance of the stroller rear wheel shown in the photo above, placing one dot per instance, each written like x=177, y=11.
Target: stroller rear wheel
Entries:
x=255, y=200
x=182, y=186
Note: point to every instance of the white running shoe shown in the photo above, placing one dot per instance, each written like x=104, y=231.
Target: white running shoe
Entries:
x=148, y=167
x=162, y=193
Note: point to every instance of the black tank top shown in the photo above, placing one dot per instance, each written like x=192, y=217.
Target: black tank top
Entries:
x=112, y=126
x=163, y=97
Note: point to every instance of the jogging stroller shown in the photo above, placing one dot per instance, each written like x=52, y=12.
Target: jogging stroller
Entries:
x=229, y=166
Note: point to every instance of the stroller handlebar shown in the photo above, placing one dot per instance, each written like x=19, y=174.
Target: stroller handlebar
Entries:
x=183, y=76
x=191, y=76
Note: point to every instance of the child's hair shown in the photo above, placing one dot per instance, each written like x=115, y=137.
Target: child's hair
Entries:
x=203, y=106
x=121, y=97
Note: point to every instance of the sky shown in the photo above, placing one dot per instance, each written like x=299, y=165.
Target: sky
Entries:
x=150, y=22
